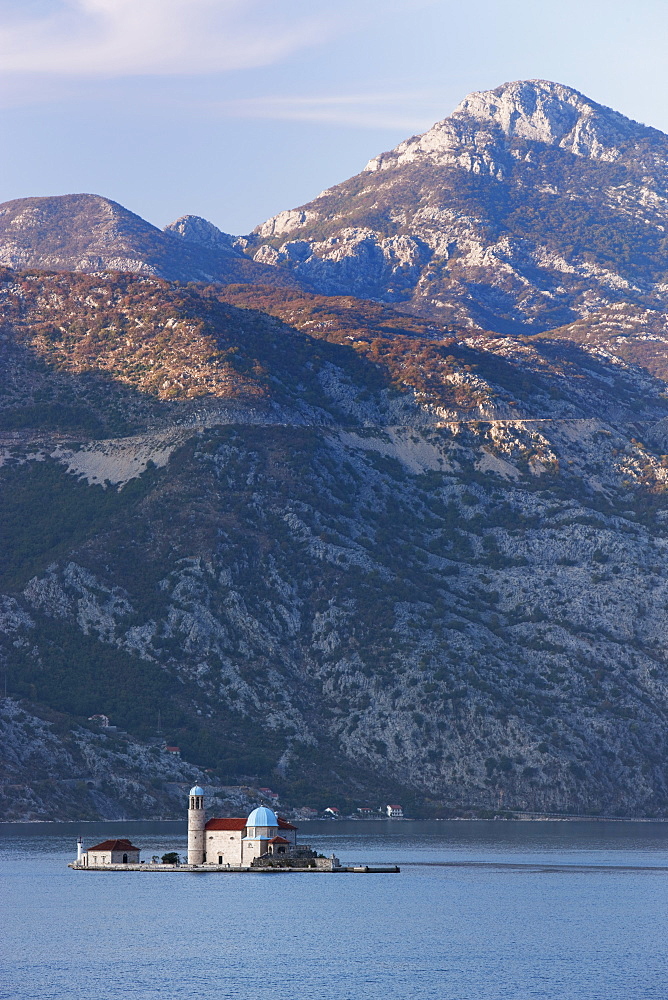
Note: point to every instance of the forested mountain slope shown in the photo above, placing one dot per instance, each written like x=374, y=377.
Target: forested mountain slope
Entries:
x=344, y=552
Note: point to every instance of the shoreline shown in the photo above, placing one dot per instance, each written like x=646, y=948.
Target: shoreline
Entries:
x=537, y=818
x=240, y=870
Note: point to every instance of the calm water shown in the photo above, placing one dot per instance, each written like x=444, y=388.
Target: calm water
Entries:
x=480, y=911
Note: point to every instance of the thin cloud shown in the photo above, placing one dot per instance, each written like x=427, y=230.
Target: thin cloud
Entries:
x=410, y=111
x=135, y=37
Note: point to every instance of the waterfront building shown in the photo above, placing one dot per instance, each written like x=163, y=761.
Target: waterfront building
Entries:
x=110, y=852
x=234, y=840
x=394, y=812
x=306, y=812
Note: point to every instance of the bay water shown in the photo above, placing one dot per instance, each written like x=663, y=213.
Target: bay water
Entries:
x=480, y=911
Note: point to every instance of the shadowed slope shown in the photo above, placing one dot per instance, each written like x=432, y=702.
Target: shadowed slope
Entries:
x=85, y=232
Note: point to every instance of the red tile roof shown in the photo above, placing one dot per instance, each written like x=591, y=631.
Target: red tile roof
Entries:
x=114, y=845
x=279, y=840
x=239, y=823
x=226, y=823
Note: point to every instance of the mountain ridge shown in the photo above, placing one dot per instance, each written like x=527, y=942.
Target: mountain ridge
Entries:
x=528, y=208
x=536, y=110
x=85, y=232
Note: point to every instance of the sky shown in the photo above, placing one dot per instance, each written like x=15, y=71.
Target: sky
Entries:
x=237, y=109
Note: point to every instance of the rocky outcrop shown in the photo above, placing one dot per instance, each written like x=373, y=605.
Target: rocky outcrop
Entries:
x=195, y=229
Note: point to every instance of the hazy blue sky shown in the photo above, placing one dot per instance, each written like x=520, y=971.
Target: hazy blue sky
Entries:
x=236, y=109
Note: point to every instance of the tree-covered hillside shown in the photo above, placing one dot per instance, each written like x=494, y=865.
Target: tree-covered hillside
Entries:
x=352, y=555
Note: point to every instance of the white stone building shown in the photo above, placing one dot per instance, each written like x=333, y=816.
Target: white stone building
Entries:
x=235, y=841
x=110, y=852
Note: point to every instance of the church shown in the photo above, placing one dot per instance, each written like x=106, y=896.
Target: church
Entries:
x=234, y=841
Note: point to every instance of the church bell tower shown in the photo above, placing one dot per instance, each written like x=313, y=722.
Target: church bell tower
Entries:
x=196, y=821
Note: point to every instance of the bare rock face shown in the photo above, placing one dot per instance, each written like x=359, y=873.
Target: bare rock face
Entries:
x=285, y=222
x=485, y=124
x=195, y=229
x=550, y=113
x=530, y=207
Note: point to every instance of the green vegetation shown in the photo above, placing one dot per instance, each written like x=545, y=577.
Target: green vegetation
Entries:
x=51, y=416
x=45, y=512
x=308, y=613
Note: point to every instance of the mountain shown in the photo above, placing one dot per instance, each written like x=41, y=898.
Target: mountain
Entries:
x=338, y=551
x=406, y=544
x=531, y=207
x=84, y=232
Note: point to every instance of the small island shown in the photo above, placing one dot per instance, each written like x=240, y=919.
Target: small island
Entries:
x=261, y=842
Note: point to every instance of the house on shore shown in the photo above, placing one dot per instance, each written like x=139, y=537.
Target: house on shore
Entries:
x=110, y=852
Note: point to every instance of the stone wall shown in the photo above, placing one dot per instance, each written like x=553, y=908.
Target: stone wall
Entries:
x=301, y=860
x=225, y=842
x=110, y=858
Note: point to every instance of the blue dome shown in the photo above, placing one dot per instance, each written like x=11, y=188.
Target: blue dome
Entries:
x=262, y=817
x=196, y=790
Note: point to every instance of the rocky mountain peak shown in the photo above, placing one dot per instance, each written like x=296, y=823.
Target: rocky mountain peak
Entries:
x=44, y=216
x=195, y=229
x=537, y=110
x=77, y=232
x=568, y=214
x=484, y=124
